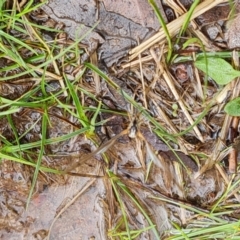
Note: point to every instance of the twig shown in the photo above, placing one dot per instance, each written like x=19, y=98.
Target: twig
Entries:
x=232, y=158
x=142, y=81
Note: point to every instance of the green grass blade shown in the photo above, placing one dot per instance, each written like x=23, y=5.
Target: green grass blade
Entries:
x=29, y=7
x=222, y=232
x=49, y=61
x=93, y=120
x=26, y=132
x=19, y=42
x=26, y=146
x=224, y=54
x=26, y=162
x=198, y=211
x=131, y=196
x=80, y=111
x=164, y=26
x=9, y=111
x=103, y=75
x=188, y=18
x=113, y=180
x=40, y=155
x=12, y=125
x=229, y=189
x=17, y=103
x=2, y=4
x=138, y=107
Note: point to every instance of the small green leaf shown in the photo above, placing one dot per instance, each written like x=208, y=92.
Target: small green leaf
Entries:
x=233, y=107
x=218, y=69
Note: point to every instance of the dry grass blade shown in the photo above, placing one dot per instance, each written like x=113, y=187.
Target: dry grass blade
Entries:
x=142, y=81
x=172, y=128
x=99, y=150
x=177, y=9
x=136, y=62
x=47, y=73
x=173, y=27
x=27, y=27
x=199, y=85
x=171, y=85
x=94, y=61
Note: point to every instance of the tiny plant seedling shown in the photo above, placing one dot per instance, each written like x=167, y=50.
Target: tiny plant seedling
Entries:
x=175, y=108
x=233, y=107
x=222, y=73
x=218, y=69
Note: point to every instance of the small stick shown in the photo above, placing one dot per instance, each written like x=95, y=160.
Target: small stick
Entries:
x=232, y=158
x=232, y=161
x=96, y=77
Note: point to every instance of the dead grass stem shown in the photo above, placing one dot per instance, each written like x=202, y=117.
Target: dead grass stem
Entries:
x=173, y=27
x=167, y=77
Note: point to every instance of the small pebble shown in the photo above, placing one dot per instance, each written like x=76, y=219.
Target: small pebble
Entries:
x=233, y=33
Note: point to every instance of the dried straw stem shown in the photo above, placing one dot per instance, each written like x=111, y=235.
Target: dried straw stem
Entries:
x=232, y=158
x=171, y=85
x=173, y=27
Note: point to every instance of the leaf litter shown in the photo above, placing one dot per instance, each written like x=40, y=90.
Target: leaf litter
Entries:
x=139, y=170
